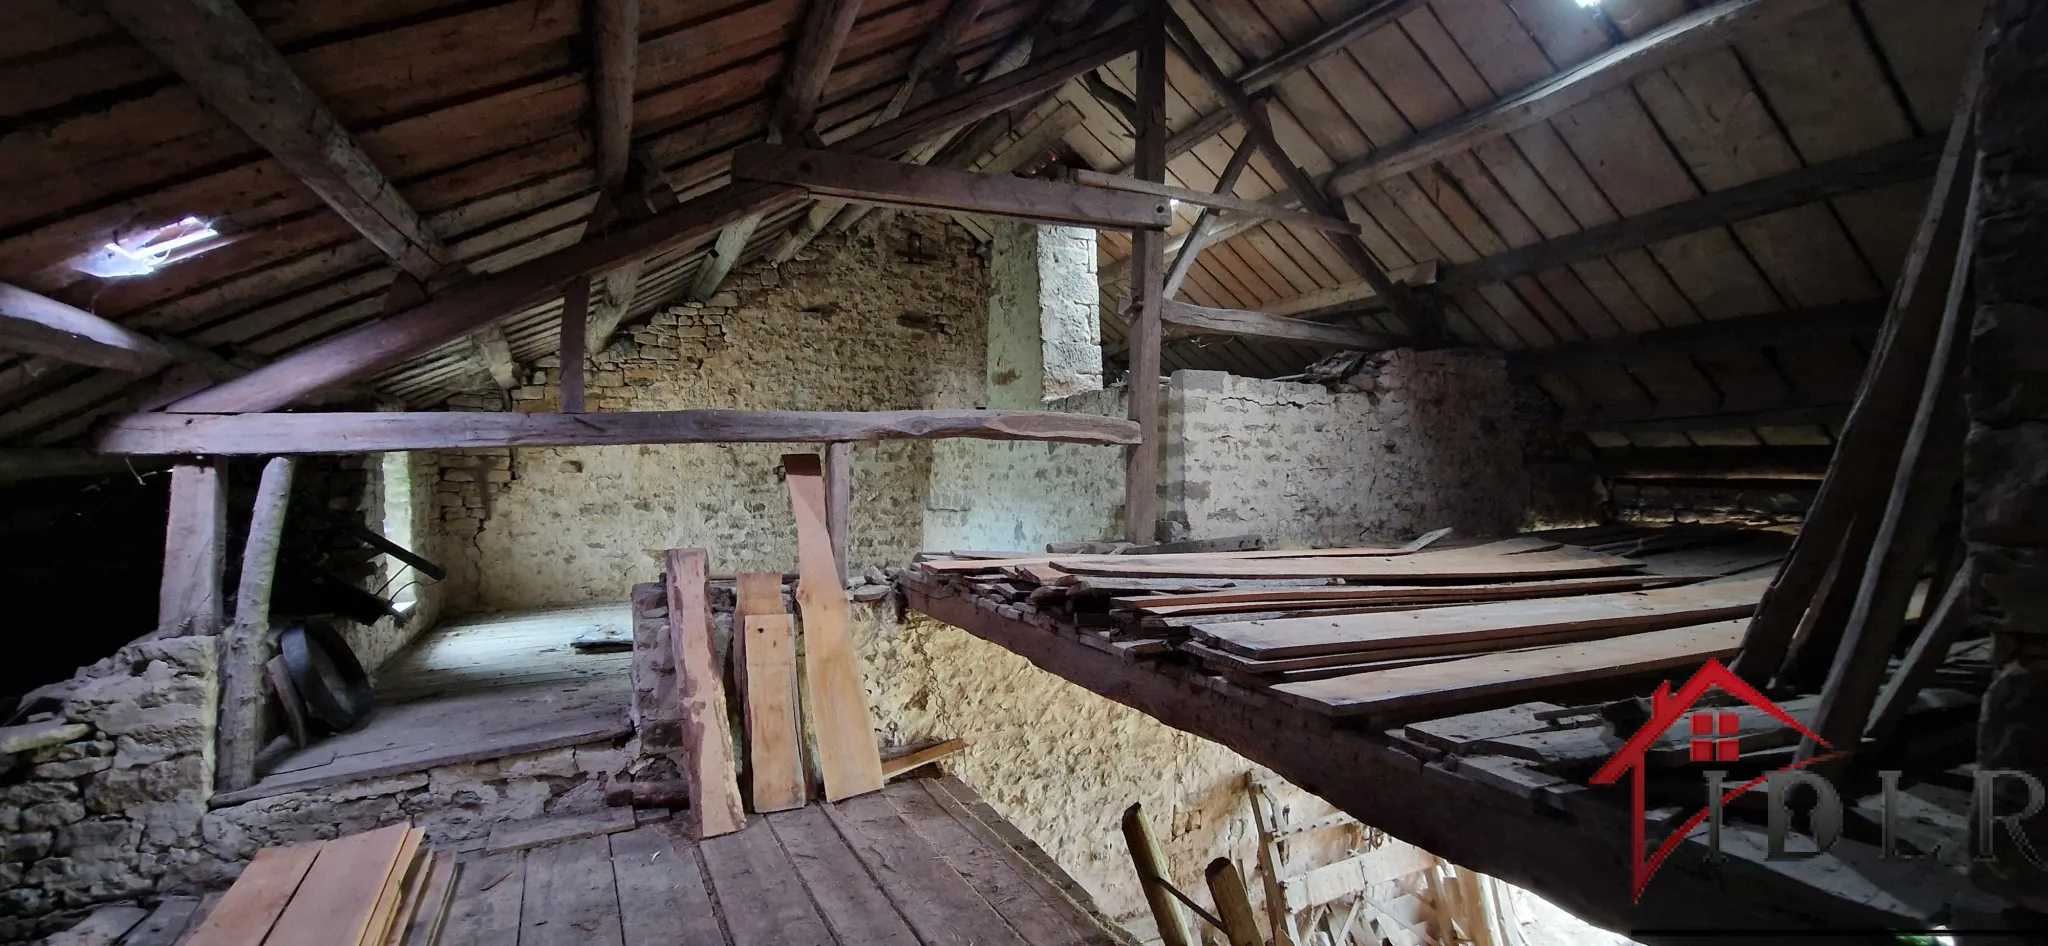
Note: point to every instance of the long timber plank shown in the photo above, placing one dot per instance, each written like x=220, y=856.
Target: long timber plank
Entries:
x=1618, y=613
x=1456, y=565
x=847, y=758
x=662, y=897
x=1393, y=594
x=852, y=904
x=1390, y=693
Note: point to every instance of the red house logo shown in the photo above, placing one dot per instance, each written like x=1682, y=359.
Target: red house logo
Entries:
x=1714, y=736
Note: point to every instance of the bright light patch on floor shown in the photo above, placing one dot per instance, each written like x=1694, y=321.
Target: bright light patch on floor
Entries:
x=146, y=252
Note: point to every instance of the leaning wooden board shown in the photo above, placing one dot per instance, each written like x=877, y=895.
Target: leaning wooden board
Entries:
x=1405, y=690
x=772, y=735
x=715, y=807
x=848, y=760
x=1619, y=613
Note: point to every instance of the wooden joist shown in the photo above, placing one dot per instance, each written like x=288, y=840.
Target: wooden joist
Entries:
x=39, y=325
x=1220, y=200
x=1679, y=39
x=258, y=434
x=1209, y=222
x=1679, y=418
x=478, y=300
x=616, y=24
x=224, y=57
x=900, y=184
x=1853, y=320
x=1205, y=320
x=1329, y=41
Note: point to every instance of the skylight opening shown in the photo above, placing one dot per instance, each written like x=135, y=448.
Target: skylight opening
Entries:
x=147, y=251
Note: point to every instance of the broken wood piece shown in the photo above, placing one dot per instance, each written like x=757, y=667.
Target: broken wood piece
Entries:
x=666, y=793
x=1500, y=676
x=1233, y=904
x=265, y=434
x=430, y=906
x=893, y=766
x=554, y=829
x=774, y=757
x=400, y=884
x=710, y=769
x=1203, y=319
x=848, y=761
x=1392, y=860
x=289, y=705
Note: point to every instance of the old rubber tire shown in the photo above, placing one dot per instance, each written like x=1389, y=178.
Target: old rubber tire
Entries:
x=330, y=680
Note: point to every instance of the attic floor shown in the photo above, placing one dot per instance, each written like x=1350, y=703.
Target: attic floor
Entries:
x=479, y=688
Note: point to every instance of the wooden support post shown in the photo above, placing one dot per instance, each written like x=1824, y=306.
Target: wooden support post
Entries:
x=575, y=330
x=839, y=500
x=1148, y=279
x=1233, y=906
x=1937, y=632
x=241, y=651
x=1150, y=862
x=189, y=602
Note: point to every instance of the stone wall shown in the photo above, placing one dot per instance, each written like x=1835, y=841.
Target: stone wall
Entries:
x=1430, y=442
x=2006, y=458
x=105, y=794
x=889, y=320
x=1729, y=502
x=991, y=494
x=1044, y=336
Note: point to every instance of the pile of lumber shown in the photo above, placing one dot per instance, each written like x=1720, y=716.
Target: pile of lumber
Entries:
x=1384, y=632
x=379, y=888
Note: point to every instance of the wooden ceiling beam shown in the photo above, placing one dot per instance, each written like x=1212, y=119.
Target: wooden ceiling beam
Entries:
x=40, y=325
x=1326, y=43
x=825, y=29
x=1218, y=199
x=918, y=187
x=1421, y=319
x=1703, y=29
x=479, y=300
x=1853, y=320
x=272, y=434
x=223, y=56
x=616, y=28
x=1208, y=321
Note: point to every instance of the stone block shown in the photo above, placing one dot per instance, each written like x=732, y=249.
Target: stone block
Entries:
x=26, y=846
x=120, y=788
x=73, y=768
x=80, y=881
x=36, y=793
x=99, y=837
x=2006, y=497
x=34, y=736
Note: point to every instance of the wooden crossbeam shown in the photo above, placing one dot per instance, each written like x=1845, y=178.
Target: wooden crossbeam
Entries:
x=1679, y=39
x=1423, y=320
x=616, y=24
x=1219, y=200
x=463, y=307
x=40, y=325
x=223, y=56
x=901, y=184
x=1854, y=320
x=1208, y=320
x=1670, y=419
x=1329, y=41
x=374, y=432
x=1209, y=222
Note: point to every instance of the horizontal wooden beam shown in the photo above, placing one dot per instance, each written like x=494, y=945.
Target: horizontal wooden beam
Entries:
x=1347, y=295
x=1329, y=41
x=920, y=187
x=1670, y=420
x=1183, y=141
x=1679, y=39
x=1261, y=325
x=222, y=54
x=1848, y=320
x=22, y=464
x=40, y=325
x=1188, y=195
x=253, y=434
x=1907, y=160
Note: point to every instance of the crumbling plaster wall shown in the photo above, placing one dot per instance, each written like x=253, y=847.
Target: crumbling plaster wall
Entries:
x=992, y=494
x=889, y=320
x=1431, y=443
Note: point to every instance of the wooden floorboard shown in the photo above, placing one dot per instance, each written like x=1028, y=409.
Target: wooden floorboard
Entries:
x=995, y=877
x=663, y=900
x=762, y=896
x=853, y=905
x=571, y=897
x=930, y=894
x=489, y=894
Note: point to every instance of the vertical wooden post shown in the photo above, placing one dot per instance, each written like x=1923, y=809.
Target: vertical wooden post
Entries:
x=1271, y=862
x=575, y=325
x=839, y=500
x=1148, y=276
x=241, y=651
x=1233, y=906
x=189, y=602
x=1150, y=861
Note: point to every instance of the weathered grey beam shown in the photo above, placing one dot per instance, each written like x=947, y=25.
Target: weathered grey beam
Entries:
x=478, y=300
x=1327, y=42
x=917, y=187
x=1261, y=325
x=1677, y=40
x=494, y=352
x=1218, y=200
x=1209, y=222
x=1848, y=320
x=240, y=733
x=223, y=56
x=310, y=433
x=616, y=24
x=40, y=325
x=1148, y=287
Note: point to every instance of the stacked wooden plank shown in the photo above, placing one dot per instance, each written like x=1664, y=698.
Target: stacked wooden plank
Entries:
x=1390, y=632
x=379, y=888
